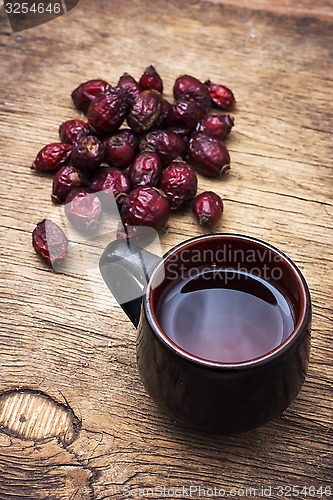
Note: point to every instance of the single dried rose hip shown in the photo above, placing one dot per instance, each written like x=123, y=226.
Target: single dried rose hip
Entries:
x=110, y=183
x=72, y=130
x=207, y=208
x=108, y=110
x=166, y=144
x=218, y=126
x=130, y=85
x=86, y=92
x=51, y=157
x=221, y=96
x=120, y=149
x=151, y=80
x=66, y=179
x=145, y=111
x=83, y=210
x=179, y=183
x=188, y=88
x=87, y=153
x=183, y=116
x=50, y=242
x=145, y=206
x=146, y=170
x=209, y=155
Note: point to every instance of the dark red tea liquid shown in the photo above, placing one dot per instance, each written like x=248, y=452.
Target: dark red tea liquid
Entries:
x=225, y=315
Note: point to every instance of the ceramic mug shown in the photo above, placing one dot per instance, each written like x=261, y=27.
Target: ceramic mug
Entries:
x=212, y=396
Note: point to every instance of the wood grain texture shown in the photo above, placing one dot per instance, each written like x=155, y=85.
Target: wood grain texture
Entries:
x=65, y=336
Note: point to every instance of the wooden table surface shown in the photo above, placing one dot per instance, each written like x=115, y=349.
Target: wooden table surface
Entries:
x=83, y=427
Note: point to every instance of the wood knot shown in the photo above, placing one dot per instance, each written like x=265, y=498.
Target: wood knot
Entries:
x=36, y=416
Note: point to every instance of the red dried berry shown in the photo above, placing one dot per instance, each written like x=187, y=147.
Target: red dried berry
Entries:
x=84, y=211
x=145, y=206
x=218, y=126
x=145, y=111
x=86, y=92
x=73, y=130
x=50, y=242
x=51, y=157
x=110, y=183
x=146, y=170
x=87, y=153
x=151, y=80
x=183, y=116
x=221, y=96
x=131, y=86
x=162, y=120
x=120, y=149
x=166, y=144
x=188, y=88
x=209, y=155
x=108, y=110
x=141, y=235
x=66, y=179
x=207, y=208
x=179, y=183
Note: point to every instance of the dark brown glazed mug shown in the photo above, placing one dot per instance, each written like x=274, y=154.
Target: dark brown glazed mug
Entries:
x=212, y=396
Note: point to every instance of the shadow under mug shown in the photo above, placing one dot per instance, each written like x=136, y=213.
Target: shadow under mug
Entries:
x=211, y=396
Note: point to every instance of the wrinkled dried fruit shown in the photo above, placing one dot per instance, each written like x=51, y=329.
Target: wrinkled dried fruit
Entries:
x=183, y=116
x=146, y=170
x=141, y=235
x=188, y=88
x=207, y=208
x=86, y=92
x=221, y=96
x=145, y=111
x=51, y=157
x=108, y=110
x=179, y=183
x=120, y=149
x=166, y=144
x=151, y=80
x=84, y=211
x=145, y=206
x=209, y=155
x=66, y=179
x=218, y=126
x=73, y=130
x=131, y=86
x=50, y=242
x=109, y=183
x=87, y=153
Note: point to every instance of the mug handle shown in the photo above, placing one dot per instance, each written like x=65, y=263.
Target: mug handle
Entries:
x=126, y=267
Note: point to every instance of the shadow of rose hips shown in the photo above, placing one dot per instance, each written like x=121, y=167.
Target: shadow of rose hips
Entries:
x=179, y=183
x=86, y=92
x=50, y=242
x=209, y=156
x=52, y=157
x=207, y=208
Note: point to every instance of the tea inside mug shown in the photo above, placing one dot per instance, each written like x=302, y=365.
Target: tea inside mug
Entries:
x=225, y=315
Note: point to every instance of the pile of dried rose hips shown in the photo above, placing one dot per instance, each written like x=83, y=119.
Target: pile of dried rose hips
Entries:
x=148, y=168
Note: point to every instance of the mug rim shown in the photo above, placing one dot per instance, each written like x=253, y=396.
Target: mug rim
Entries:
x=292, y=338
